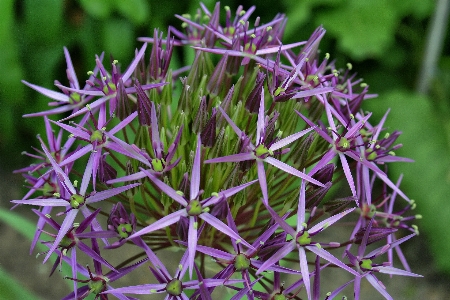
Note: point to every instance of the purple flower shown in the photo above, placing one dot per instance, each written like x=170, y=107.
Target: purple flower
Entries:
x=67, y=100
x=302, y=240
x=97, y=138
x=160, y=161
x=173, y=286
x=264, y=150
x=108, y=85
x=73, y=240
x=97, y=282
x=366, y=267
x=72, y=199
x=193, y=208
x=240, y=260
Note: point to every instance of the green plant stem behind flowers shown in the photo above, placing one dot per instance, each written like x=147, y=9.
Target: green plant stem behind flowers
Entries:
x=212, y=159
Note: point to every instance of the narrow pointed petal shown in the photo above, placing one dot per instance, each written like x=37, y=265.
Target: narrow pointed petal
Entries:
x=123, y=123
x=134, y=63
x=195, y=176
x=260, y=128
x=313, y=92
x=87, y=175
x=54, y=111
x=357, y=127
x=262, y=181
x=301, y=208
x=79, y=153
x=161, y=223
x=348, y=175
x=219, y=225
x=322, y=133
x=285, y=250
x=71, y=70
x=192, y=244
x=396, y=271
x=49, y=93
x=379, y=173
x=329, y=221
x=215, y=253
x=144, y=289
x=65, y=226
x=331, y=258
x=135, y=176
x=61, y=174
x=42, y=202
x=230, y=122
x=392, y=245
x=128, y=150
x=227, y=193
x=166, y=189
x=83, y=247
x=379, y=287
x=156, y=142
x=80, y=91
x=288, y=169
x=231, y=158
x=109, y=193
x=305, y=271
x=290, y=139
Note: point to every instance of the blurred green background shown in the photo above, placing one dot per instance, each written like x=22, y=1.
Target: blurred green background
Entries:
x=392, y=44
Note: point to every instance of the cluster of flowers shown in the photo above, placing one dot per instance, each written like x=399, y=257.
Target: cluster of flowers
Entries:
x=197, y=159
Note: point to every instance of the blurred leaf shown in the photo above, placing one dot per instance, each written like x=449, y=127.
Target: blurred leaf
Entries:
x=97, y=8
x=427, y=180
x=37, y=17
x=12, y=289
x=11, y=89
x=118, y=40
x=137, y=11
x=300, y=12
x=26, y=228
x=364, y=29
x=19, y=224
x=419, y=9
x=42, y=47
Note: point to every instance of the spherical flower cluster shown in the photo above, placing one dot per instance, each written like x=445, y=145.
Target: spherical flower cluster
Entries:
x=240, y=160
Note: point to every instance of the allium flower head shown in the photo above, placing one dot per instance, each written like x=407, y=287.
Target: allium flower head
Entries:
x=190, y=144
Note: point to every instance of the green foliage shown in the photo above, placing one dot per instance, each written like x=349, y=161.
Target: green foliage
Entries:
x=9, y=287
x=427, y=180
x=13, y=289
x=9, y=60
x=363, y=29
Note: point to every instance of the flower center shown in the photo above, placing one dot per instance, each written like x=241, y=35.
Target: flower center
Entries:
x=366, y=264
x=110, y=88
x=241, y=262
x=47, y=190
x=66, y=242
x=74, y=98
x=124, y=230
x=279, y=297
x=304, y=239
x=97, y=136
x=371, y=154
x=194, y=208
x=262, y=152
x=343, y=144
x=157, y=165
x=174, y=287
x=76, y=201
x=96, y=286
x=250, y=48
